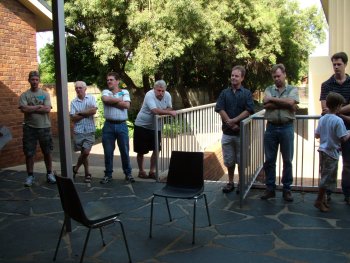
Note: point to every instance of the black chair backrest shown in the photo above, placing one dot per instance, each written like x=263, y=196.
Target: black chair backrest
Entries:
x=186, y=170
x=70, y=200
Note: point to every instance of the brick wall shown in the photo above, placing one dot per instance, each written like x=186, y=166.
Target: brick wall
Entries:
x=17, y=58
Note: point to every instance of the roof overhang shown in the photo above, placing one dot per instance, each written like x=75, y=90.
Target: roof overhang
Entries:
x=325, y=6
x=42, y=11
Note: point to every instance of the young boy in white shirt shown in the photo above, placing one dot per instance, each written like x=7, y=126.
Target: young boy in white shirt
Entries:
x=331, y=131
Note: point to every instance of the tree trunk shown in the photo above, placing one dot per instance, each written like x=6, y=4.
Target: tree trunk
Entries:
x=181, y=88
x=125, y=77
x=145, y=82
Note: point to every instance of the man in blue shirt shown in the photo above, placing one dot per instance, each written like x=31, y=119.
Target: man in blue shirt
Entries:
x=234, y=104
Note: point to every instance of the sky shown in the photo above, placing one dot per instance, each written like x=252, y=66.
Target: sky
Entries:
x=322, y=50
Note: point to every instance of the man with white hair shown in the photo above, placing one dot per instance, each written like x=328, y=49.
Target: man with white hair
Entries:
x=156, y=102
x=82, y=111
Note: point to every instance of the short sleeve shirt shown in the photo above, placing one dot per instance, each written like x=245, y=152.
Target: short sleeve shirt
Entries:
x=85, y=125
x=145, y=118
x=331, y=129
x=343, y=89
x=113, y=113
x=40, y=97
x=281, y=115
x=234, y=103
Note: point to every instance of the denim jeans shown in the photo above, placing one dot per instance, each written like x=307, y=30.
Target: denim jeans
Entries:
x=283, y=136
x=345, y=175
x=110, y=133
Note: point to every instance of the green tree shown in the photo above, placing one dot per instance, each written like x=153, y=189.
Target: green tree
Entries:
x=189, y=43
x=47, y=64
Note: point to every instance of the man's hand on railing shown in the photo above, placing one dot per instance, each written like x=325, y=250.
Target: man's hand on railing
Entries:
x=172, y=113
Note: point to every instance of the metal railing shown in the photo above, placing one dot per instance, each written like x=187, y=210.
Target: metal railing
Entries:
x=196, y=129
x=305, y=161
x=192, y=129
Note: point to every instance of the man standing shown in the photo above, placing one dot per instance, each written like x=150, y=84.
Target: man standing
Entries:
x=36, y=105
x=280, y=102
x=156, y=102
x=82, y=111
x=339, y=82
x=234, y=104
x=116, y=103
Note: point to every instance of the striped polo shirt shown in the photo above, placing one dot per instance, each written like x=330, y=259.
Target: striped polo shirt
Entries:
x=85, y=125
x=113, y=113
x=343, y=89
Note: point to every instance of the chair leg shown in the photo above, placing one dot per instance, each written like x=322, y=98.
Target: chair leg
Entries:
x=103, y=240
x=59, y=240
x=125, y=241
x=85, y=244
x=151, y=218
x=206, y=206
x=167, y=205
x=194, y=220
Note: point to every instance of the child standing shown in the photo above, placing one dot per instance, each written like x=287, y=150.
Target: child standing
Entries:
x=331, y=131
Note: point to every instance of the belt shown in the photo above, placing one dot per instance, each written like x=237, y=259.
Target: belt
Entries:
x=280, y=123
x=116, y=121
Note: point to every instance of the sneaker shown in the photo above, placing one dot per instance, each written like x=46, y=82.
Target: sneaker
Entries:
x=287, y=196
x=29, y=181
x=268, y=194
x=51, y=178
x=88, y=178
x=106, y=180
x=228, y=188
x=129, y=178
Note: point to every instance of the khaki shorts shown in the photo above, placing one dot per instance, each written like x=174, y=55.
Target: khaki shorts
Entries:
x=32, y=135
x=84, y=141
x=231, y=146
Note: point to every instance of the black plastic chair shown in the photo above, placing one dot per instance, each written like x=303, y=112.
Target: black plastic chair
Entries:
x=92, y=215
x=185, y=181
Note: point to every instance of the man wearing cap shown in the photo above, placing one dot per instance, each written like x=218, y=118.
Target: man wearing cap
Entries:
x=36, y=106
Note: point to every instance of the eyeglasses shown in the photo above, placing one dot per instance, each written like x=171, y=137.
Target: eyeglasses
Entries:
x=79, y=87
x=110, y=79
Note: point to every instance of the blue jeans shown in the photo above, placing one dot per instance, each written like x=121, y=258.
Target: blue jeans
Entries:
x=283, y=136
x=345, y=175
x=110, y=133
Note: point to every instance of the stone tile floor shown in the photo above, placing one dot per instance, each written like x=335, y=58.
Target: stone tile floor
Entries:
x=261, y=231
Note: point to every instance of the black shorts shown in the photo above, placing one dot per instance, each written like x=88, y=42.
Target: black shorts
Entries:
x=144, y=140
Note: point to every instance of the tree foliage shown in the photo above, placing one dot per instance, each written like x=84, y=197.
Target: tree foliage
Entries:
x=189, y=43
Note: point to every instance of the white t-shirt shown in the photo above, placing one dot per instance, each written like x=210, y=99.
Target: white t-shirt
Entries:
x=331, y=128
x=145, y=118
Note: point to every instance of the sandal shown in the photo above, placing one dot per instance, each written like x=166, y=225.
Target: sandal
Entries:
x=143, y=175
x=152, y=175
x=228, y=188
x=87, y=178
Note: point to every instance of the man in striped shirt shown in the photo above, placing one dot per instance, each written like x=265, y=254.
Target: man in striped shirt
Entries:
x=116, y=102
x=82, y=111
x=339, y=82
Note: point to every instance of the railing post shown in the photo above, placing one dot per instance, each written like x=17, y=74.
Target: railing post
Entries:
x=156, y=145
x=241, y=164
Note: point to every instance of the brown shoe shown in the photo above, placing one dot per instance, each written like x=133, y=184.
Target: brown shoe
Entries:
x=228, y=188
x=287, y=196
x=268, y=194
x=320, y=205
